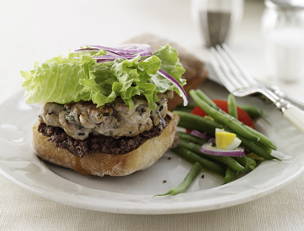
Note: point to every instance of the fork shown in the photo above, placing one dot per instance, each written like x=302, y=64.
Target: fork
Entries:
x=280, y=93
x=240, y=83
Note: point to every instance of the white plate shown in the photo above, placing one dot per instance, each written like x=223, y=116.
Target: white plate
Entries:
x=134, y=194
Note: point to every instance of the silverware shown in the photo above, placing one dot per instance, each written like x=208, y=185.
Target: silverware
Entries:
x=282, y=94
x=275, y=89
x=240, y=84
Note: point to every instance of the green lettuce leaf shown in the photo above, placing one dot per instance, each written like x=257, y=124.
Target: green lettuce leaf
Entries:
x=78, y=77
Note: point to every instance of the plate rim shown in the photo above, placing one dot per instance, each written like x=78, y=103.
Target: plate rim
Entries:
x=174, y=209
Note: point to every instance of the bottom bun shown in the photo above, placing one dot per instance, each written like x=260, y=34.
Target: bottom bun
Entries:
x=101, y=164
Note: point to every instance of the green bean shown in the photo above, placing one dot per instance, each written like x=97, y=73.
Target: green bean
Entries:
x=194, y=122
x=190, y=121
x=257, y=148
x=263, y=139
x=232, y=108
x=192, y=157
x=253, y=112
x=232, y=123
x=227, y=160
x=204, y=97
x=191, y=138
x=187, y=181
x=247, y=162
x=255, y=157
x=222, y=117
x=230, y=175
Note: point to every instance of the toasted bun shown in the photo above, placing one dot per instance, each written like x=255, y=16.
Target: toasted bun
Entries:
x=101, y=164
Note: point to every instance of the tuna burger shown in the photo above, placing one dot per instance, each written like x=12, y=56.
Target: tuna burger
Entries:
x=105, y=108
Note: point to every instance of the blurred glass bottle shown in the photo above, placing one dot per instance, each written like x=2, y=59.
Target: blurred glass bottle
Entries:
x=283, y=27
x=216, y=19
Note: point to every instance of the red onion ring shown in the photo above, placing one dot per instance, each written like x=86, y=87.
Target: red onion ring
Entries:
x=210, y=150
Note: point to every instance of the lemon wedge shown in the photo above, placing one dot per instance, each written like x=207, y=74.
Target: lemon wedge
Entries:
x=226, y=140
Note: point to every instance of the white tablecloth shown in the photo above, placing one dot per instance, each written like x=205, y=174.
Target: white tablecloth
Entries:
x=21, y=210
x=35, y=30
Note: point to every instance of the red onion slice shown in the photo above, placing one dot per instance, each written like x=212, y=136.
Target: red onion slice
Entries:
x=87, y=49
x=199, y=134
x=137, y=49
x=111, y=57
x=104, y=59
x=124, y=50
x=210, y=150
x=176, y=83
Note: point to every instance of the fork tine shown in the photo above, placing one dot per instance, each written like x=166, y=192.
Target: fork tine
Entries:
x=221, y=70
x=235, y=78
x=246, y=76
x=240, y=74
x=231, y=76
x=234, y=69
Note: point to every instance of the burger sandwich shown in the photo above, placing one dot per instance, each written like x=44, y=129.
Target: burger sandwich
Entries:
x=105, y=109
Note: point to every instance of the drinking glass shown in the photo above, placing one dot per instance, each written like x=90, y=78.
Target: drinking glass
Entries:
x=216, y=19
x=283, y=27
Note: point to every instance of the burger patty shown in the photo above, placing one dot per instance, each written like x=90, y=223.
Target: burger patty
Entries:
x=115, y=119
x=99, y=143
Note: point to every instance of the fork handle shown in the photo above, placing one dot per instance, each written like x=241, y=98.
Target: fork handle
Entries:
x=295, y=101
x=295, y=115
